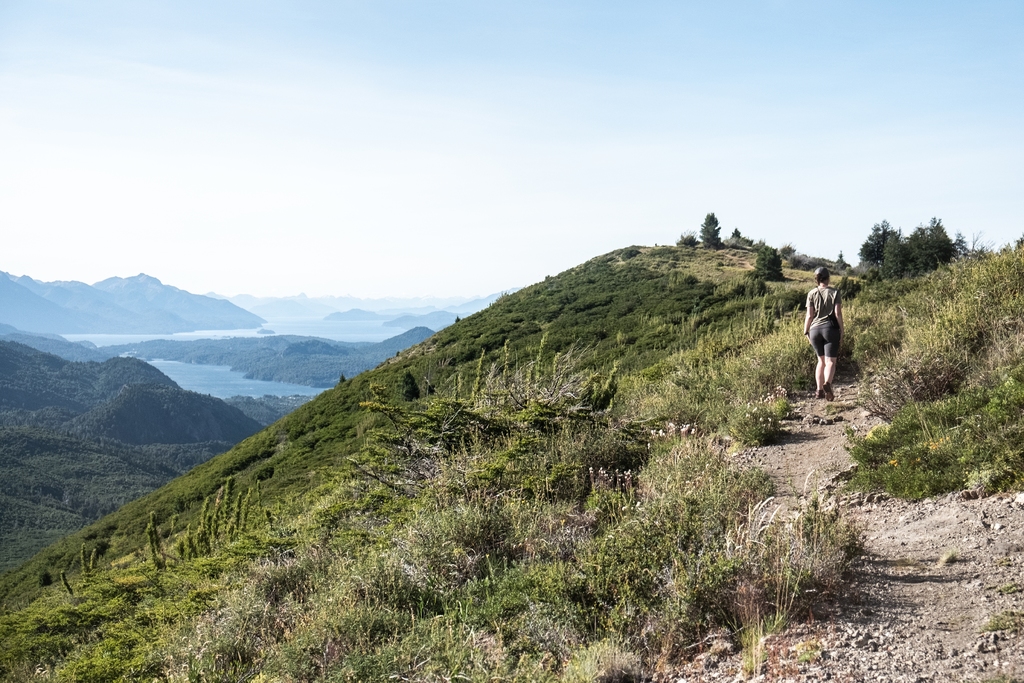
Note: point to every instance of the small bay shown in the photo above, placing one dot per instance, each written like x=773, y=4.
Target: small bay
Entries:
x=223, y=382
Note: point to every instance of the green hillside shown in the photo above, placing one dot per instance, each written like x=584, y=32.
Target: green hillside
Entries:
x=30, y=380
x=151, y=413
x=78, y=440
x=539, y=492
x=53, y=484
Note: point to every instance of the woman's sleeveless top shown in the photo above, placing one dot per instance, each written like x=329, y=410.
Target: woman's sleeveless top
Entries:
x=824, y=302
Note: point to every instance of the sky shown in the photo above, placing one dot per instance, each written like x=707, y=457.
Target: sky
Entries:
x=385, y=148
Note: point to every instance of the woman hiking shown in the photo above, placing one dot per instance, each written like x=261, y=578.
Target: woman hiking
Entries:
x=823, y=326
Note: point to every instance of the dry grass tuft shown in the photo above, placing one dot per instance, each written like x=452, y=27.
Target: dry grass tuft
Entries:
x=948, y=557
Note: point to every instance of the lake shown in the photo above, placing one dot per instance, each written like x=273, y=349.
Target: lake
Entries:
x=221, y=381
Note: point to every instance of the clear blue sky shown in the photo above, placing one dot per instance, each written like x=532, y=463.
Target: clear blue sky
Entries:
x=412, y=148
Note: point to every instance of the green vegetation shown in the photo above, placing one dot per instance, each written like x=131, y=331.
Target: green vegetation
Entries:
x=711, y=233
x=540, y=491
x=30, y=380
x=768, y=265
x=920, y=252
x=1005, y=621
x=267, y=409
x=554, y=505
x=151, y=413
x=78, y=440
x=944, y=359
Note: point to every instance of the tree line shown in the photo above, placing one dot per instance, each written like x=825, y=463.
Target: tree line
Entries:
x=886, y=253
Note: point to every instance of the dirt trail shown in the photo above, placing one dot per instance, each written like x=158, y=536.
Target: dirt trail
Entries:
x=906, y=615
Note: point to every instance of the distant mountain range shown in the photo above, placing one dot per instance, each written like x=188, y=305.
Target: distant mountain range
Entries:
x=331, y=307
x=438, y=320
x=134, y=305
x=435, y=320
x=78, y=440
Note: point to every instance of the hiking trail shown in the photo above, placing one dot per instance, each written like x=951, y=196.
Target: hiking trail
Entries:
x=921, y=600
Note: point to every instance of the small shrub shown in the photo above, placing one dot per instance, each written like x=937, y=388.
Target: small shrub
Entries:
x=606, y=661
x=445, y=548
x=758, y=424
x=1005, y=621
x=687, y=239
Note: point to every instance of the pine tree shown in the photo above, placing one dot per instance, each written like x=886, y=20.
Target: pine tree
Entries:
x=872, y=252
x=410, y=389
x=896, y=260
x=154, y=541
x=479, y=380
x=929, y=247
x=246, y=505
x=710, y=232
x=768, y=265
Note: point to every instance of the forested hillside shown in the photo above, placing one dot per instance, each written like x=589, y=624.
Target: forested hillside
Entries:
x=79, y=440
x=53, y=484
x=30, y=380
x=152, y=413
x=542, y=491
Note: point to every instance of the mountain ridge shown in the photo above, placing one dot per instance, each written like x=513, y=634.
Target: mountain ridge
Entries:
x=140, y=304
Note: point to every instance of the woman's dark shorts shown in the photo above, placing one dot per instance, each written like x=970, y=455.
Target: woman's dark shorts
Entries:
x=825, y=340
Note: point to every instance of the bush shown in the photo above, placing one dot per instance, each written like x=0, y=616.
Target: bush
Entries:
x=605, y=661
x=758, y=424
x=687, y=239
x=768, y=265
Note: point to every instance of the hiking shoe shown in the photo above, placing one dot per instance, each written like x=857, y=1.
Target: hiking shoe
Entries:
x=827, y=390
x=820, y=393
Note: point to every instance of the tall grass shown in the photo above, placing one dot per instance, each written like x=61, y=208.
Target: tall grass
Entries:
x=731, y=381
x=549, y=541
x=622, y=585
x=949, y=381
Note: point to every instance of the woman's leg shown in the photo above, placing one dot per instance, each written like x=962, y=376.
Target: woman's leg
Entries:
x=829, y=372
x=819, y=373
x=830, y=369
x=833, y=337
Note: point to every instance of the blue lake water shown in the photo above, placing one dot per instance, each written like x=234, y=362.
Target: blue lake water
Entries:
x=222, y=382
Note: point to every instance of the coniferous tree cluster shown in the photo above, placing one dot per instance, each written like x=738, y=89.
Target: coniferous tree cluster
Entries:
x=922, y=251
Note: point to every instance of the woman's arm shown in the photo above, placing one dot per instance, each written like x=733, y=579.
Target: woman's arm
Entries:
x=809, y=317
x=839, y=318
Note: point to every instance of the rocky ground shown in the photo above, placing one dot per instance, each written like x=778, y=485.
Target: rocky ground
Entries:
x=937, y=596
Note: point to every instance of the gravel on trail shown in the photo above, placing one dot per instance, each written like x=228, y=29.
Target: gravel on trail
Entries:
x=938, y=594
